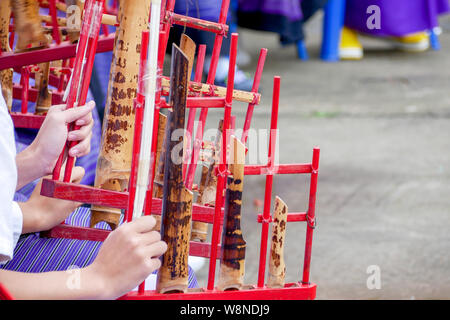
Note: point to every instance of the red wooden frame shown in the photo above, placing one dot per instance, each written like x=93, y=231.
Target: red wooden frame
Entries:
x=213, y=215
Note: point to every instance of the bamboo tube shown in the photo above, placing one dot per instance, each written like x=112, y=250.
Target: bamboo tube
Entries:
x=277, y=267
x=73, y=16
x=207, y=189
x=232, y=263
x=107, y=19
x=200, y=229
x=159, y=163
x=114, y=162
x=6, y=76
x=187, y=45
x=197, y=87
x=44, y=99
x=28, y=24
x=177, y=199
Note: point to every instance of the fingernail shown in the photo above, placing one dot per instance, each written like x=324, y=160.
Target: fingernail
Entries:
x=72, y=136
x=80, y=122
x=73, y=152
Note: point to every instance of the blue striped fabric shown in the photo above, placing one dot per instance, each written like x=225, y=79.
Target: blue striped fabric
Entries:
x=36, y=254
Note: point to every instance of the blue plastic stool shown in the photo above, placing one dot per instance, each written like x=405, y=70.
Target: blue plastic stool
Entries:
x=302, y=52
x=333, y=21
x=434, y=40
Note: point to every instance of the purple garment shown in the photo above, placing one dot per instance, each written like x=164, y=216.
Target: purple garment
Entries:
x=290, y=9
x=397, y=17
x=202, y=9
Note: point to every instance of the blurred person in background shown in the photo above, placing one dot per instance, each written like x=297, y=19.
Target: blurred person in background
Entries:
x=404, y=23
x=285, y=17
x=210, y=10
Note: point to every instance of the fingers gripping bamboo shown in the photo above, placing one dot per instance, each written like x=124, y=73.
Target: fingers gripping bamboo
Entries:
x=114, y=162
x=232, y=263
x=28, y=24
x=177, y=199
x=6, y=76
x=277, y=267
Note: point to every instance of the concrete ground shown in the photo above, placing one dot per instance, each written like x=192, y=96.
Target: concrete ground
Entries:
x=383, y=126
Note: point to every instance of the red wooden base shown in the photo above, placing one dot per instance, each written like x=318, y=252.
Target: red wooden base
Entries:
x=27, y=120
x=64, y=231
x=291, y=291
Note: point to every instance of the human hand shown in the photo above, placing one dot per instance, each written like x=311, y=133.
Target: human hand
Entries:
x=53, y=134
x=127, y=257
x=41, y=213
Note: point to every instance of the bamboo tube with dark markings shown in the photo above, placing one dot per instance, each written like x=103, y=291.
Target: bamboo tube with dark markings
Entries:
x=114, y=161
x=207, y=189
x=28, y=24
x=232, y=263
x=44, y=99
x=6, y=76
x=177, y=199
x=187, y=45
x=277, y=266
x=159, y=163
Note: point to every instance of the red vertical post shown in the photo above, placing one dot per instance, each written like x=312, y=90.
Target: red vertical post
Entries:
x=52, y=10
x=76, y=74
x=25, y=80
x=157, y=106
x=92, y=40
x=223, y=167
x=210, y=80
x=193, y=111
x=139, y=115
x=269, y=182
x=255, y=88
x=12, y=34
x=311, y=215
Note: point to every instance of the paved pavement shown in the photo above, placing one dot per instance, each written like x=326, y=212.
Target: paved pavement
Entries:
x=383, y=125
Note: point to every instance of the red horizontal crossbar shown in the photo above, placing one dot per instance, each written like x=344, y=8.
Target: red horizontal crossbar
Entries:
x=114, y=199
x=27, y=120
x=33, y=93
x=291, y=291
x=196, y=23
x=200, y=102
x=291, y=217
x=297, y=168
x=198, y=249
x=62, y=51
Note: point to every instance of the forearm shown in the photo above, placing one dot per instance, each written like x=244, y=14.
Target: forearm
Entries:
x=29, y=166
x=31, y=219
x=59, y=285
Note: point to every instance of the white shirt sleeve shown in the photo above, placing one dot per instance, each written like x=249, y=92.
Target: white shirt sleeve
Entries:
x=10, y=214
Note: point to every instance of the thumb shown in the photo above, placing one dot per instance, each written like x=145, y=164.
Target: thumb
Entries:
x=73, y=114
x=77, y=174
